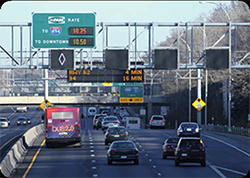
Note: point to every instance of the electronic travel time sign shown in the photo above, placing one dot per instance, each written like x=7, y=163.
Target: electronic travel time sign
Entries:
x=107, y=75
x=64, y=30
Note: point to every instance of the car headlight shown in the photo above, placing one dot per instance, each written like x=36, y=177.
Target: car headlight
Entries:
x=18, y=122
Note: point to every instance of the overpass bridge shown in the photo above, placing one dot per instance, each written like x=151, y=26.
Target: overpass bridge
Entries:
x=148, y=101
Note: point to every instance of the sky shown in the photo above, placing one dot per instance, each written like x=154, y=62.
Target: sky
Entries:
x=109, y=11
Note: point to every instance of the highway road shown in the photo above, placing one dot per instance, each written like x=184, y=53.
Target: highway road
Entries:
x=13, y=130
x=227, y=156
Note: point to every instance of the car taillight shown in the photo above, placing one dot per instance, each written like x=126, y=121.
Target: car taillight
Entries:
x=95, y=120
x=134, y=152
x=169, y=146
x=123, y=135
x=116, y=122
x=112, y=152
x=110, y=135
x=197, y=130
x=180, y=130
x=152, y=120
x=162, y=120
x=48, y=125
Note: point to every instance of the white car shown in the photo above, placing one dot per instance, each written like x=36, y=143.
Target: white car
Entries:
x=4, y=122
x=110, y=121
x=157, y=121
x=21, y=109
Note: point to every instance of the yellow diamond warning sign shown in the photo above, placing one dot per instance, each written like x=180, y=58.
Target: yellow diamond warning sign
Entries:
x=45, y=104
x=198, y=104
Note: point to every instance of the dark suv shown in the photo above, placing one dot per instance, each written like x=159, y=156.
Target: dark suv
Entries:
x=190, y=149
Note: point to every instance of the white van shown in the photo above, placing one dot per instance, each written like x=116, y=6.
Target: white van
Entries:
x=92, y=111
x=133, y=123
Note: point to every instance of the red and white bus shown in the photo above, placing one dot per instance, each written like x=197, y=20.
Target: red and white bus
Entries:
x=63, y=126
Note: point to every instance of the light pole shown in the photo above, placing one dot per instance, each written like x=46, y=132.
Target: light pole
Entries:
x=202, y=2
x=230, y=71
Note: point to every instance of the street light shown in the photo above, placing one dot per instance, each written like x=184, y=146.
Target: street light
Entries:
x=230, y=72
x=202, y=2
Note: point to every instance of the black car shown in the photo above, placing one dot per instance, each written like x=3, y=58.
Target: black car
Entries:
x=169, y=147
x=115, y=133
x=123, y=151
x=188, y=129
x=190, y=149
x=22, y=121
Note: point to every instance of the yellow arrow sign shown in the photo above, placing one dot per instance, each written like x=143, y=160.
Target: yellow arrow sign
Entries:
x=45, y=104
x=198, y=104
x=131, y=100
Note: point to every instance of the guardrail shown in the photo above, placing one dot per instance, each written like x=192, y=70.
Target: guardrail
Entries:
x=221, y=128
x=16, y=154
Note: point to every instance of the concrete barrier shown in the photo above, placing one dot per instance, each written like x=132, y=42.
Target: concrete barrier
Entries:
x=16, y=154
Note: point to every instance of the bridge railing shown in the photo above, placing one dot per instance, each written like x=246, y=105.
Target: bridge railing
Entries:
x=221, y=128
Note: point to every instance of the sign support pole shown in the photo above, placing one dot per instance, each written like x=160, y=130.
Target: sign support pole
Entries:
x=46, y=86
x=199, y=95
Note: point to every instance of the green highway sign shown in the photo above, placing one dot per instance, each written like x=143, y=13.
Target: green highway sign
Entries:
x=131, y=94
x=131, y=91
x=63, y=30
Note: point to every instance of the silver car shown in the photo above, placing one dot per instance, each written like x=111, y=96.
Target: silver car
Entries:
x=4, y=122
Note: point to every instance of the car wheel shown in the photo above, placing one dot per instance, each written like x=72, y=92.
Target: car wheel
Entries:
x=94, y=127
x=106, y=143
x=203, y=163
x=136, y=161
x=177, y=163
x=164, y=156
x=109, y=162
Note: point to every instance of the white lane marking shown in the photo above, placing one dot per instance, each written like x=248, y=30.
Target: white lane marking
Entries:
x=164, y=133
x=218, y=172
x=154, y=166
x=91, y=143
x=93, y=161
x=143, y=150
x=150, y=159
x=91, y=146
x=95, y=175
x=146, y=154
x=92, y=155
x=92, y=151
x=91, y=140
x=93, y=167
x=232, y=146
x=230, y=170
x=159, y=174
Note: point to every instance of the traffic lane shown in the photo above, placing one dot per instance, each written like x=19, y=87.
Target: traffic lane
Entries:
x=241, y=142
x=60, y=162
x=7, y=134
x=227, y=157
x=117, y=169
x=220, y=154
x=151, y=147
x=65, y=162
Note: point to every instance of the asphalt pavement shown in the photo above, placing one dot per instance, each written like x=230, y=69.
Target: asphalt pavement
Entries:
x=227, y=156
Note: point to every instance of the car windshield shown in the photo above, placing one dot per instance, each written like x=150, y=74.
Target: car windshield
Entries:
x=157, y=118
x=195, y=144
x=2, y=119
x=133, y=121
x=116, y=130
x=173, y=140
x=22, y=119
x=110, y=119
x=126, y=145
x=188, y=125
